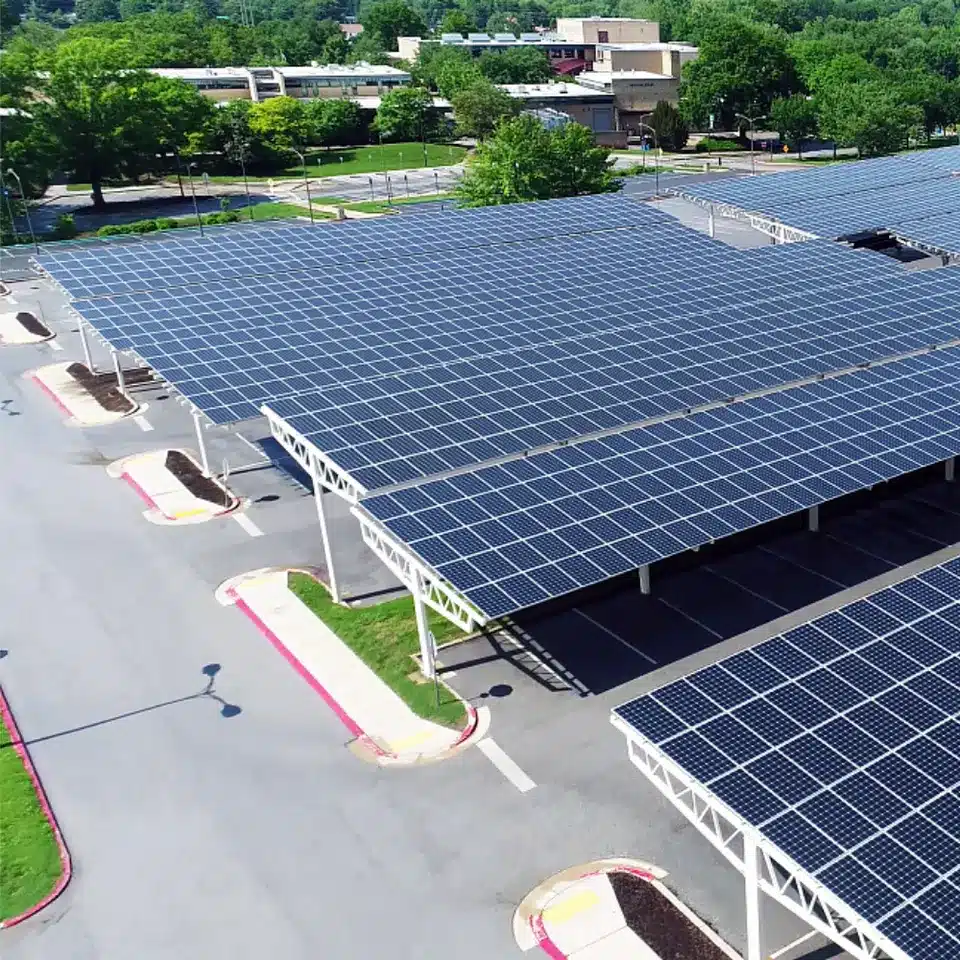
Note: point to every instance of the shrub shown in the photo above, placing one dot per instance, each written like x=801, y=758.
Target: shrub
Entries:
x=111, y=230
x=718, y=145
x=66, y=228
x=225, y=217
x=167, y=223
x=142, y=226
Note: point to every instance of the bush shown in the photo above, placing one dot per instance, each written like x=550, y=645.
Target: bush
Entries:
x=167, y=223
x=224, y=217
x=142, y=226
x=66, y=228
x=112, y=230
x=718, y=145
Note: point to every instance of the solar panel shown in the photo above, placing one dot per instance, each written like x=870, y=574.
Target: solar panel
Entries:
x=518, y=533
x=839, y=741
x=274, y=251
x=941, y=232
x=402, y=427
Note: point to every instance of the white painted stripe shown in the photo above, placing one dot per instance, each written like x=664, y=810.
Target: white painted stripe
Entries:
x=12, y=300
x=792, y=946
x=143, y=423
x=494, y=753
x=616, y=636
x=54, y=345
x=245, y=523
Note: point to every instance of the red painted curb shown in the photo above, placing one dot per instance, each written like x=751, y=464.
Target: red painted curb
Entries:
x=52, y=395
x=539, y=929
x=66, y=866
x=318, y=687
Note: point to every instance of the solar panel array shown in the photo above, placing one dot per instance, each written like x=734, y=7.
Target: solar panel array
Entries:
x=849, y=198
x=515, y=534
x=941, y=232
x=277, y=250
x=399, y=428
x=839, y=742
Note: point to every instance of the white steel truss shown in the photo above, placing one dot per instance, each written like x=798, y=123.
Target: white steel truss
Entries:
x=312, y=460
x=780, y=232
x=417, y=576
x=776, y=874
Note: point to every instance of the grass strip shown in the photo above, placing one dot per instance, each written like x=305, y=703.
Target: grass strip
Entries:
x=381, y=206
x=369, y=159
x=384, y=637
x=29, y=856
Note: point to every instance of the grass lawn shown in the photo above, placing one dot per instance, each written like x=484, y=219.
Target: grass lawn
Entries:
x=370, y=159
x=276, y=211
x=381, y=206
x=384, y=637
x=29, y=859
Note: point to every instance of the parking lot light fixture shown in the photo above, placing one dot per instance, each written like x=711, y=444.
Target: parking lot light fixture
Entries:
x=306, y=182
x=26, y=208
x=193, y=194
x=752, y=121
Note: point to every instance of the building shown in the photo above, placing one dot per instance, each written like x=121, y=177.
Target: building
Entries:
x=595, y=109
x=351, y=30
x=353, y=81
x=574, y=46
x=634, y=92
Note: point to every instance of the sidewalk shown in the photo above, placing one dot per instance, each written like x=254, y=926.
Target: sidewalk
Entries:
x=373, y=713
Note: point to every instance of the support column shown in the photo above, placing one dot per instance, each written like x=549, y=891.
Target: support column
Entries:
x=201, y=440
x=645, y=578
x=324, y=536
x=949, y=469
x=712, y=228
x=752, y=891
x=87, y=359
x=813, y=519
x=118, y=370
x=428, y=646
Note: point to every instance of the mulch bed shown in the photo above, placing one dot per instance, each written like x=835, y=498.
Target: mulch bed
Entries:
x=32, y=325
x=191, y=476
x=103, y=386
x=657, y=922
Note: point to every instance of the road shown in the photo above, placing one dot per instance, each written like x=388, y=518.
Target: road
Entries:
x=257, y=833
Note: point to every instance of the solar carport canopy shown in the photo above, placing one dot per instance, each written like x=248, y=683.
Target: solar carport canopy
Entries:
x=273, y=250
x=836, y=747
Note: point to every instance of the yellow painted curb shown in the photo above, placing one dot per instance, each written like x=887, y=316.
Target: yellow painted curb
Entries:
x=570, y=907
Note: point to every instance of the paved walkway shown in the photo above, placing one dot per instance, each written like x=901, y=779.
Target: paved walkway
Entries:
x=365, y=704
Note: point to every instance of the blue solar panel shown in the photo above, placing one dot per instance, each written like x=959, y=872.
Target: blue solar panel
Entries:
x=586, y=512
x=868, y=806
x=258, y=252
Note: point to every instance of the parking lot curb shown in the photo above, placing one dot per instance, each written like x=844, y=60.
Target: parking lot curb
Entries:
x=66, y=864
x=60, y=404
x=227, y=594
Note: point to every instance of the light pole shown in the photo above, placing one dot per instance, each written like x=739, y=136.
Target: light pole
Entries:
x=193, y=193
x=243, y=169
x=306, y=182
x=752, y=121
x=656, y=166
x=26, y=209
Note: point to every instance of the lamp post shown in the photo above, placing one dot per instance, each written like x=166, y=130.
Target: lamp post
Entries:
x=193, y=193
x=243, y=169
x=752, y=121
x=656, y=144
x=306, y=182
x=26, y=209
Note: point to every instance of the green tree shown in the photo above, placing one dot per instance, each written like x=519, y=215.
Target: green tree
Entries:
x=742, y=68
x=368, y=48
x=502, y=23
x=229, y=133
x=446, y=69
x=457, y=21
x=95, y=11
x=525, y=161
x=516, y=65
x=281, y=123
x=406, y=114
x=108, y=120
x=335, y=50
x=795, y=118
x=672, y=129
x=335, y=122
x=478, y=109
x=389, y=19
x=869, y=116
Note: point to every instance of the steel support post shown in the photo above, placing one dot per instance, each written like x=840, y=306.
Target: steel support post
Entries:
x=428, y=650
x=645, y=578
x=813, y=519
x=324, y=535
x=118, y=370
x=949, y=469
x=712, y=229
x=752, y=891
x=87, y=359
x=201, y=440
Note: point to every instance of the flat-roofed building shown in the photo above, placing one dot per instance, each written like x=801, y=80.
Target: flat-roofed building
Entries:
x=595, y=109
x=635, y=92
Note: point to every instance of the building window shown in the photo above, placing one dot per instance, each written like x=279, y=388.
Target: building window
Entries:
x=603, y=36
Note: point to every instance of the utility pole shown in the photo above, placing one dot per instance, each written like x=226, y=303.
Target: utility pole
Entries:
x=752, y=121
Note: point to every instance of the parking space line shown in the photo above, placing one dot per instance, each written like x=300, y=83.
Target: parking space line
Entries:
x=801, y=566
x=246, y=524
x=143, y=423
x=716, y=573
x=495, y=754
x=54, y=345
x=616, y=636
x=691, y=618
